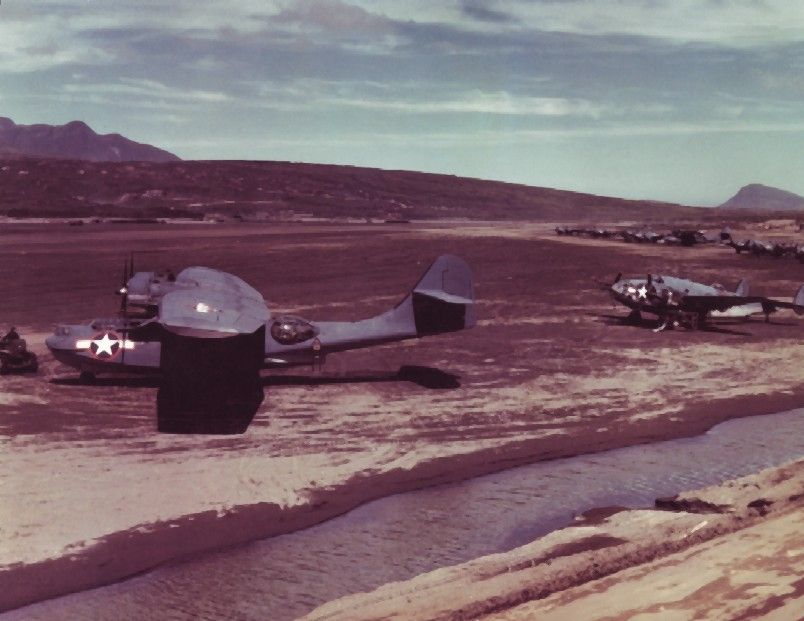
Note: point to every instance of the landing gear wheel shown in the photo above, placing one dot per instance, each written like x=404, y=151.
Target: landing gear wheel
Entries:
x=634, y=317
x=694, y=322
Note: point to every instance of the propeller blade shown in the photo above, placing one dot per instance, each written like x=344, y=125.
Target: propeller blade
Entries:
x=124, y=289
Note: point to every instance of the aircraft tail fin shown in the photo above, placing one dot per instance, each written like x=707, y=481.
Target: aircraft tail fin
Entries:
x=798, y=301
x=742, y=289
x=444, y=298
x=442, y=301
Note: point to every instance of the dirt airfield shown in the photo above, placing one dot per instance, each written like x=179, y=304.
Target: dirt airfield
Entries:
x=90, y=493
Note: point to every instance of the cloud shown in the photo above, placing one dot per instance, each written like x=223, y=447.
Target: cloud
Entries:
x=333, y=16
x=739, y=23
x=499, y=103
x=142, y=93
x=477, y=9
x=41, y=45
x=415, y=98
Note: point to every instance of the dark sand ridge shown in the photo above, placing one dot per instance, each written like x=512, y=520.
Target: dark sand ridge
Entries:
x=545, y=375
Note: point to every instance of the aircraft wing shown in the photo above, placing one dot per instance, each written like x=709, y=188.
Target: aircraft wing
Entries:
x=216, y=334
x=212, y=334
x=708, y=303
x=210, y=279
x=442, y=301
x=796, y=305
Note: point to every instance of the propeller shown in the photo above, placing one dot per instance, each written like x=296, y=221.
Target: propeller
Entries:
x=123, y=290
x=128, y=272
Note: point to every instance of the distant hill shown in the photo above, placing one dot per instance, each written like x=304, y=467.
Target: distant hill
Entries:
x=758, y=196
x=284, y=190
x=75, y=140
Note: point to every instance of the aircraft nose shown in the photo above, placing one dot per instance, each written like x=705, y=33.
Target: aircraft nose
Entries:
x=57, y=341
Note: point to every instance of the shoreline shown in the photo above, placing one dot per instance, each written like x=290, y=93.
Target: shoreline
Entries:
x=628, y=561
x=123, y=554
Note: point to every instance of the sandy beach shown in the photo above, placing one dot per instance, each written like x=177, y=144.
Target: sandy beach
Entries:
x=697, y=555
x=92, y=494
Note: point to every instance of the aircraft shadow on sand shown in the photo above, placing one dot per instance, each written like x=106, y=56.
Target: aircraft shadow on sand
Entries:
x=425, y=377
x=655, y=324
x=109, y=381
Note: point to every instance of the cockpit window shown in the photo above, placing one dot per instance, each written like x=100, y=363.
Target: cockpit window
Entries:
x=290, y=329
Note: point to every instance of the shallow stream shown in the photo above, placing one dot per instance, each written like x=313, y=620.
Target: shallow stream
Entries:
x=398, y=537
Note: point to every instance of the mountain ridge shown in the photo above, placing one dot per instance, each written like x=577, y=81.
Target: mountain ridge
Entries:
x=74, y=140
x=764, y=197
x=36, y=187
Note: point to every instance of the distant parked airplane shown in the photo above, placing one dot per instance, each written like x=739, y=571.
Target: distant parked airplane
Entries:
x=678, y=301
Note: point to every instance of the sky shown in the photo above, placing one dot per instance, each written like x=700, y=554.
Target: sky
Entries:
x=677, y=100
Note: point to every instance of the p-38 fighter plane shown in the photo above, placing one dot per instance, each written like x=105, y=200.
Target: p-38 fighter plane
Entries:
x=207, y=334
x=678, y=301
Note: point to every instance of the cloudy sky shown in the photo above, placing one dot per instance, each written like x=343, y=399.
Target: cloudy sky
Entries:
x=680, y=100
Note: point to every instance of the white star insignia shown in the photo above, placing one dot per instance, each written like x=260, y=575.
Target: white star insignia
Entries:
x=104, y=345
x=643, y=292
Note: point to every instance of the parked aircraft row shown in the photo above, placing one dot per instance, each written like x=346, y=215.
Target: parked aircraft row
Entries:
x=759, y=248
x=676, y=237
x=207, y=334
x=689, y=237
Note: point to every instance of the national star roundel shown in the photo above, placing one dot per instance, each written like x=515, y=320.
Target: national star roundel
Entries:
x=105, y=345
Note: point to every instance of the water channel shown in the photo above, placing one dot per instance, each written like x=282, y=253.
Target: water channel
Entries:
x=398, y=537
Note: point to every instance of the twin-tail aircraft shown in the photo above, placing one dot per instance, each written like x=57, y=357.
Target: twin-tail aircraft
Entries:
x=681, y=302
x=208, y=334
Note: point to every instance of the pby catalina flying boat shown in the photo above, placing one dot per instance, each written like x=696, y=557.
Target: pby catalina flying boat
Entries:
x=207, y=334
x=677, y=301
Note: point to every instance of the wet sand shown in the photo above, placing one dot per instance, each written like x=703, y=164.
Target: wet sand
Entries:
x=91, y=494
x=732, y=551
